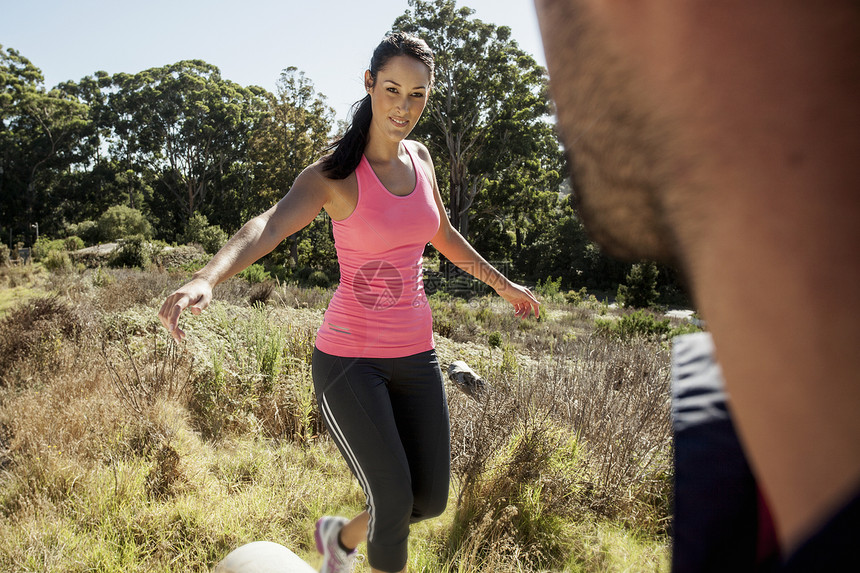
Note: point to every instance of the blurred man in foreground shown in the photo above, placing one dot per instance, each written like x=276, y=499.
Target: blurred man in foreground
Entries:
x=724, y=137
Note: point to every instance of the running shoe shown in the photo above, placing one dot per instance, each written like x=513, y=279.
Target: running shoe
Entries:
x=335, y=559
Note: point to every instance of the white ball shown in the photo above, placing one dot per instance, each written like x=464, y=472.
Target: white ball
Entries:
x=263, y=557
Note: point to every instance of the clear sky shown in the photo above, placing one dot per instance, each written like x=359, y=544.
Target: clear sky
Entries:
x=251, y=41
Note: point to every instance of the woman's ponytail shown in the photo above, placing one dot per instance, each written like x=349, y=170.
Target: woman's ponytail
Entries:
x=346, y=152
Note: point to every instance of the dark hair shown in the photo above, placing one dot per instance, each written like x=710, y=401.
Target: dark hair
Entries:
x=347, y=151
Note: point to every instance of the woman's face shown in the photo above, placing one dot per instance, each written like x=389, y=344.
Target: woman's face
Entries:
x=398, y=97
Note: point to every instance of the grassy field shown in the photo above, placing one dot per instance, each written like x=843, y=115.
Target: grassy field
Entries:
x=121, y=451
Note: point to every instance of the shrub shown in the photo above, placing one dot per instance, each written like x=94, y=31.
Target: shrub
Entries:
x=162, y=372
x=319, y=279
x=577, y=297
x=637, y=324
x=73, y=243
x=494, y=339
x=443, y=327
x=516, y=505
x=4, y=254
x=549, y=290
x=102, y=279
x=164, y=475
x=210, y=408
x=642, y=324
x=256, y=377
x=293, y=296
x=198, y=230
x=120, y=222
x=255, y=273
x=15, y=255
x=640, y=290
x=441, y=296
x=454, y=318
x=33, y=333
x=183, y=257
x=301, y=274
x=58, y=261
x=134, y=252
x=281, y=272
x=87, y=230
x=684, y=328
x=44, y=246
x=261, y=292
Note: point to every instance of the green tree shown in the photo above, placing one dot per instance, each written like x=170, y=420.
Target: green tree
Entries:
x=560, y=247
x=99, y=180
x=41, y=136
x=210, y=237
x=488, y=120
x=121, y=221
x=557, y=249
x=520, y=201
x=291, y=134
x=189, y=127
x=640, y=290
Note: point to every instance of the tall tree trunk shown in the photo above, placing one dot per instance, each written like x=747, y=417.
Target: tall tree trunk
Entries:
x=459, y=188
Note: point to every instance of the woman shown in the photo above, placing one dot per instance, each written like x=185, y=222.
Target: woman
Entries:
x=377, y=380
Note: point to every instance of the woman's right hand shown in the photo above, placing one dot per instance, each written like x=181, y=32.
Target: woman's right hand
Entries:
x=197, y=294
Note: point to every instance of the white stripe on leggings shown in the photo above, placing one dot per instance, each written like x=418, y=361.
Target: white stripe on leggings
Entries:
x=365, y=485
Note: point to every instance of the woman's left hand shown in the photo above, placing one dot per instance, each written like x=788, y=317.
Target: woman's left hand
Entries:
x=521, y=298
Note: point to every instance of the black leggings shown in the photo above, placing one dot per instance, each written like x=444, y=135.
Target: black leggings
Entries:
x=389, y=418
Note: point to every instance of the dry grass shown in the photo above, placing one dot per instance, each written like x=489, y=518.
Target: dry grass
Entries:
x=18, y=283
x=32, y=337
x=581, y=436
x=122, y=451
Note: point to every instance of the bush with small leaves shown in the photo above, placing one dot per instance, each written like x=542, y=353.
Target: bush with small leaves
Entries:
x=549, y=290
x=58, y=261
x=44, y=246
x=87, y=230
x=577, y=297
x=319, y=279
x=31, y=335
x=120, y=221
x=73, y=243
x=4, y=254
x=639, y=324
x=134, y=252
x=640, y=290
x=255, y=273
x=199, y=231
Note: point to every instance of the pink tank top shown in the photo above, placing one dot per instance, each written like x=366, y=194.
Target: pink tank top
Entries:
x=379, y=310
